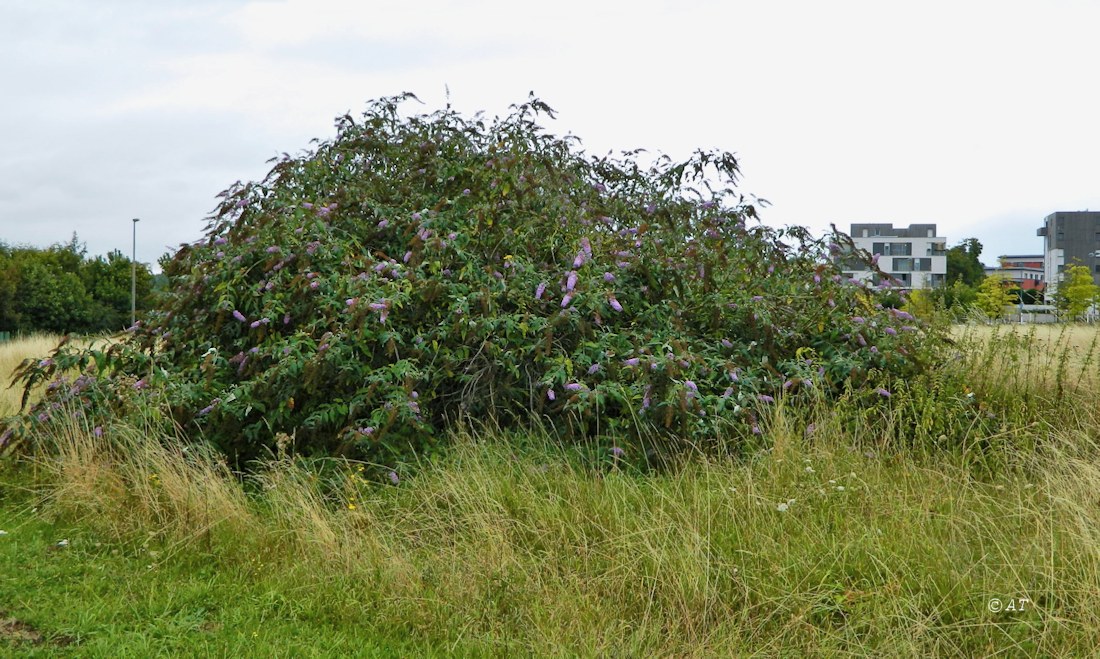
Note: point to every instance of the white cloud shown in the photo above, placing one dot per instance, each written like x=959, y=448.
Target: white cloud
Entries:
x=973, y=115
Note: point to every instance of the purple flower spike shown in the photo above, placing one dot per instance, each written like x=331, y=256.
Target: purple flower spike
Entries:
x=416, y=217
x=382, y=224
x=617, y=452
x=882, y=392
x=891, y=331
x=394, y=479
x=350, y=301
x=858, y=319
x=255, y=324
x=726, y=343
x=633, y=361
x=593, y=368
x=540, y=290
x=239, y=316
x=608, y=277
x=566, y=300
x=274, y=249
x=571, y=281
x=573, y=386
x=286, y=319
x=578, y=261
x=765, y=398
x=220, y=241
x=98, y=431
x=615, y=304
x=550, y=394
x=466, y=192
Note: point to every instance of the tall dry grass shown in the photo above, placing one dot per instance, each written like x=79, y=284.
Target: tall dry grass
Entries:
x=516, y=545
x=12, y=353
x=821, y=551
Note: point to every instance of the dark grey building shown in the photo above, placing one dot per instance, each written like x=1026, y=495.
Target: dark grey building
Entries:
x=1070, y=238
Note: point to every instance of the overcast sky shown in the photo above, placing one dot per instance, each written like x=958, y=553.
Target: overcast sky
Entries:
x=980, y=116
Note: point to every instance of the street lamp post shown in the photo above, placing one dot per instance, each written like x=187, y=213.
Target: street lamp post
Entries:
x=133, y=277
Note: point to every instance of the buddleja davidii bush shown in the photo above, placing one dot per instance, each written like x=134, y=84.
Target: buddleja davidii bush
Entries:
x=414, y=270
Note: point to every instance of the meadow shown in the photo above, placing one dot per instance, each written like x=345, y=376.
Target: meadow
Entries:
x=827, y=539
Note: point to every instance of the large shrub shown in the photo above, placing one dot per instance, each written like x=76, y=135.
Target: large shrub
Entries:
x=415, y=270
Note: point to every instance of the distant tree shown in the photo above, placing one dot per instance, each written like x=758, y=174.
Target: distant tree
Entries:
x=923, y=303
x=50, y=299
x=57, y=289
x=1077, y=292
x=108, y=281
x=1028, y=295
x=993, y=296
x=963, y=264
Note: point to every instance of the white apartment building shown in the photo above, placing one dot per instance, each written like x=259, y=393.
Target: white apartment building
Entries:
x=915, y=256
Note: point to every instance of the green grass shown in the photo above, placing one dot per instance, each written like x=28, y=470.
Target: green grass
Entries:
x=102, y=598
x=832, y=543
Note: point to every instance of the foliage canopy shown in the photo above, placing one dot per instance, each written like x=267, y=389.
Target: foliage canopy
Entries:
x=59, y=289
x=416, y=270
x=1078, y=292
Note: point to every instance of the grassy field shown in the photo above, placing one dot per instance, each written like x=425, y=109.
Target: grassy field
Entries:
x=12, y=353
x=823, y=543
